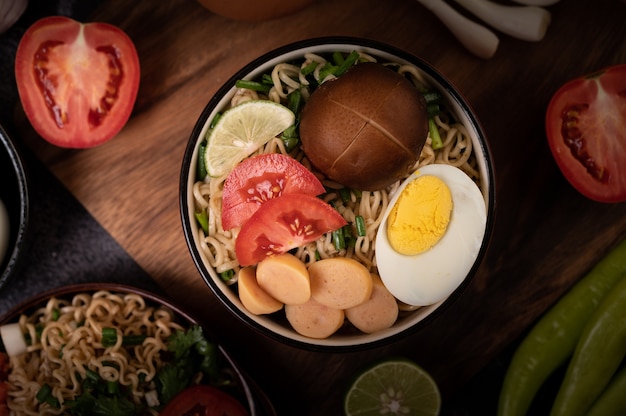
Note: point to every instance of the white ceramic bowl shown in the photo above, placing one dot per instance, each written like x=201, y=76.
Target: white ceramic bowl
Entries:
x=275, y=325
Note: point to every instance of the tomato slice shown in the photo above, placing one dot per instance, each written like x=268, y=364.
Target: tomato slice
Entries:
x=202, y=400
x=260, y=178
x=77, y=82
x=283, y=223
x=586, y=130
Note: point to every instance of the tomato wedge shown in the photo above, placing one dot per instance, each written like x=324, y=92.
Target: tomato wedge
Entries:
x=77, y=82
x=260, y=178
x=586, y=130
x=201, y=400
x=283, y=223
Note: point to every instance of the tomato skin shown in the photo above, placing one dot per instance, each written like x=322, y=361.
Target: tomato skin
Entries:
x=283, y=223
x=586, y=130
x=260, y=178
x=77, y=82
x=202, y=400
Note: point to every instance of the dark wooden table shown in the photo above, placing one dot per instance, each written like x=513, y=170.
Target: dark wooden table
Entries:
x=546, y=235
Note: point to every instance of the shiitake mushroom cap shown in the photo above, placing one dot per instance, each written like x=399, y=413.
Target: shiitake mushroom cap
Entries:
x=365, y=129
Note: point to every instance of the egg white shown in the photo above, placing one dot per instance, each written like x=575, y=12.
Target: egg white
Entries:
x=431, y=276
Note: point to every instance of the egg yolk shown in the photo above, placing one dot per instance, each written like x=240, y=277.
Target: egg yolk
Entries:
x=420, y=216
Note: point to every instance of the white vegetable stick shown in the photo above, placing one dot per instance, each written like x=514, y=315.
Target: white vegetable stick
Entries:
x=13, y=339
x=476, y=38
x=10, y=12
x=523, y=22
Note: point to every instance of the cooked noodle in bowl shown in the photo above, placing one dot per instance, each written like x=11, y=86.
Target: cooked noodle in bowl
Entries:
x=213, y=249
x=80, y=340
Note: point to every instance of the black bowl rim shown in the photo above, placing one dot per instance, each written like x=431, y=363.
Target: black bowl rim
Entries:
x=69, y=290
x=17, y=246
x=319, y=41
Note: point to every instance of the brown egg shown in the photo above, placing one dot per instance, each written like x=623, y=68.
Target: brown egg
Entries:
x=254, y=10
x=365, y=129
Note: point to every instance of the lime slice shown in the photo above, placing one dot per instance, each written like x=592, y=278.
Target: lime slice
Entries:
x=393, y=387
x=241, y=130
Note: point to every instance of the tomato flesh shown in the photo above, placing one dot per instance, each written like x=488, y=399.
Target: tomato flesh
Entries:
x=77, y=82
x=202, y=400
x=586, y=130
x=283, y=223
x=259, y=179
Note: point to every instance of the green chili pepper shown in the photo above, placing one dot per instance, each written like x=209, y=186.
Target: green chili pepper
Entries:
x=611, y=401
x=554, y=337
x=598, y=354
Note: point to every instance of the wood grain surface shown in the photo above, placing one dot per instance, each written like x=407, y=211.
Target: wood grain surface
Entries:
x=546, y=235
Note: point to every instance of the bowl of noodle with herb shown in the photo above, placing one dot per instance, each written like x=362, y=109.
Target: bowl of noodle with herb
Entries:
x=232, y=254
x=104, y=349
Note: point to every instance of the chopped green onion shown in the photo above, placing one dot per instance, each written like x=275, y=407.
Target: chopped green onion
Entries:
x=44, y=395
x=338, y=239
x=290, y=143
x=267, y=79
x=203, y=220
x=252, y=85
x=347, y=63
x=361, y=230
x=433, y=99
x=227, y=275
x=295, y=101
x=109, y=337
x=92, y=375
x=344, y=193
x=201, y=171
x=308, y=69
x=327, y=69
x=214, y=122
x=431, y=96
x=131, y=340
x=433, y=132
x=337, y=58
x=56, y=314
x=113, y=387
x=433, y=109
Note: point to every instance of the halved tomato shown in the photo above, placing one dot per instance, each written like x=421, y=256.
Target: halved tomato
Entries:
x=586, y=129
x=259, y=179
x=283, y=223
x=77, y=82
x=202, y=400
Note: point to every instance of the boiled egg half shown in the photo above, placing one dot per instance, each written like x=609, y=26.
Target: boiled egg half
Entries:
x=438, y=218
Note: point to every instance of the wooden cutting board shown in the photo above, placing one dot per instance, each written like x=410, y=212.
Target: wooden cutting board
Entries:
x=546, y=235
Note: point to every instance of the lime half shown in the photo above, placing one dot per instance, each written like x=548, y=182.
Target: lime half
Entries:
x=393, y=387
x=241, y=130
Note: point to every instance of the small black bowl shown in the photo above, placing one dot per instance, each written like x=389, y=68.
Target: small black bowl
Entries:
x=15, y=198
